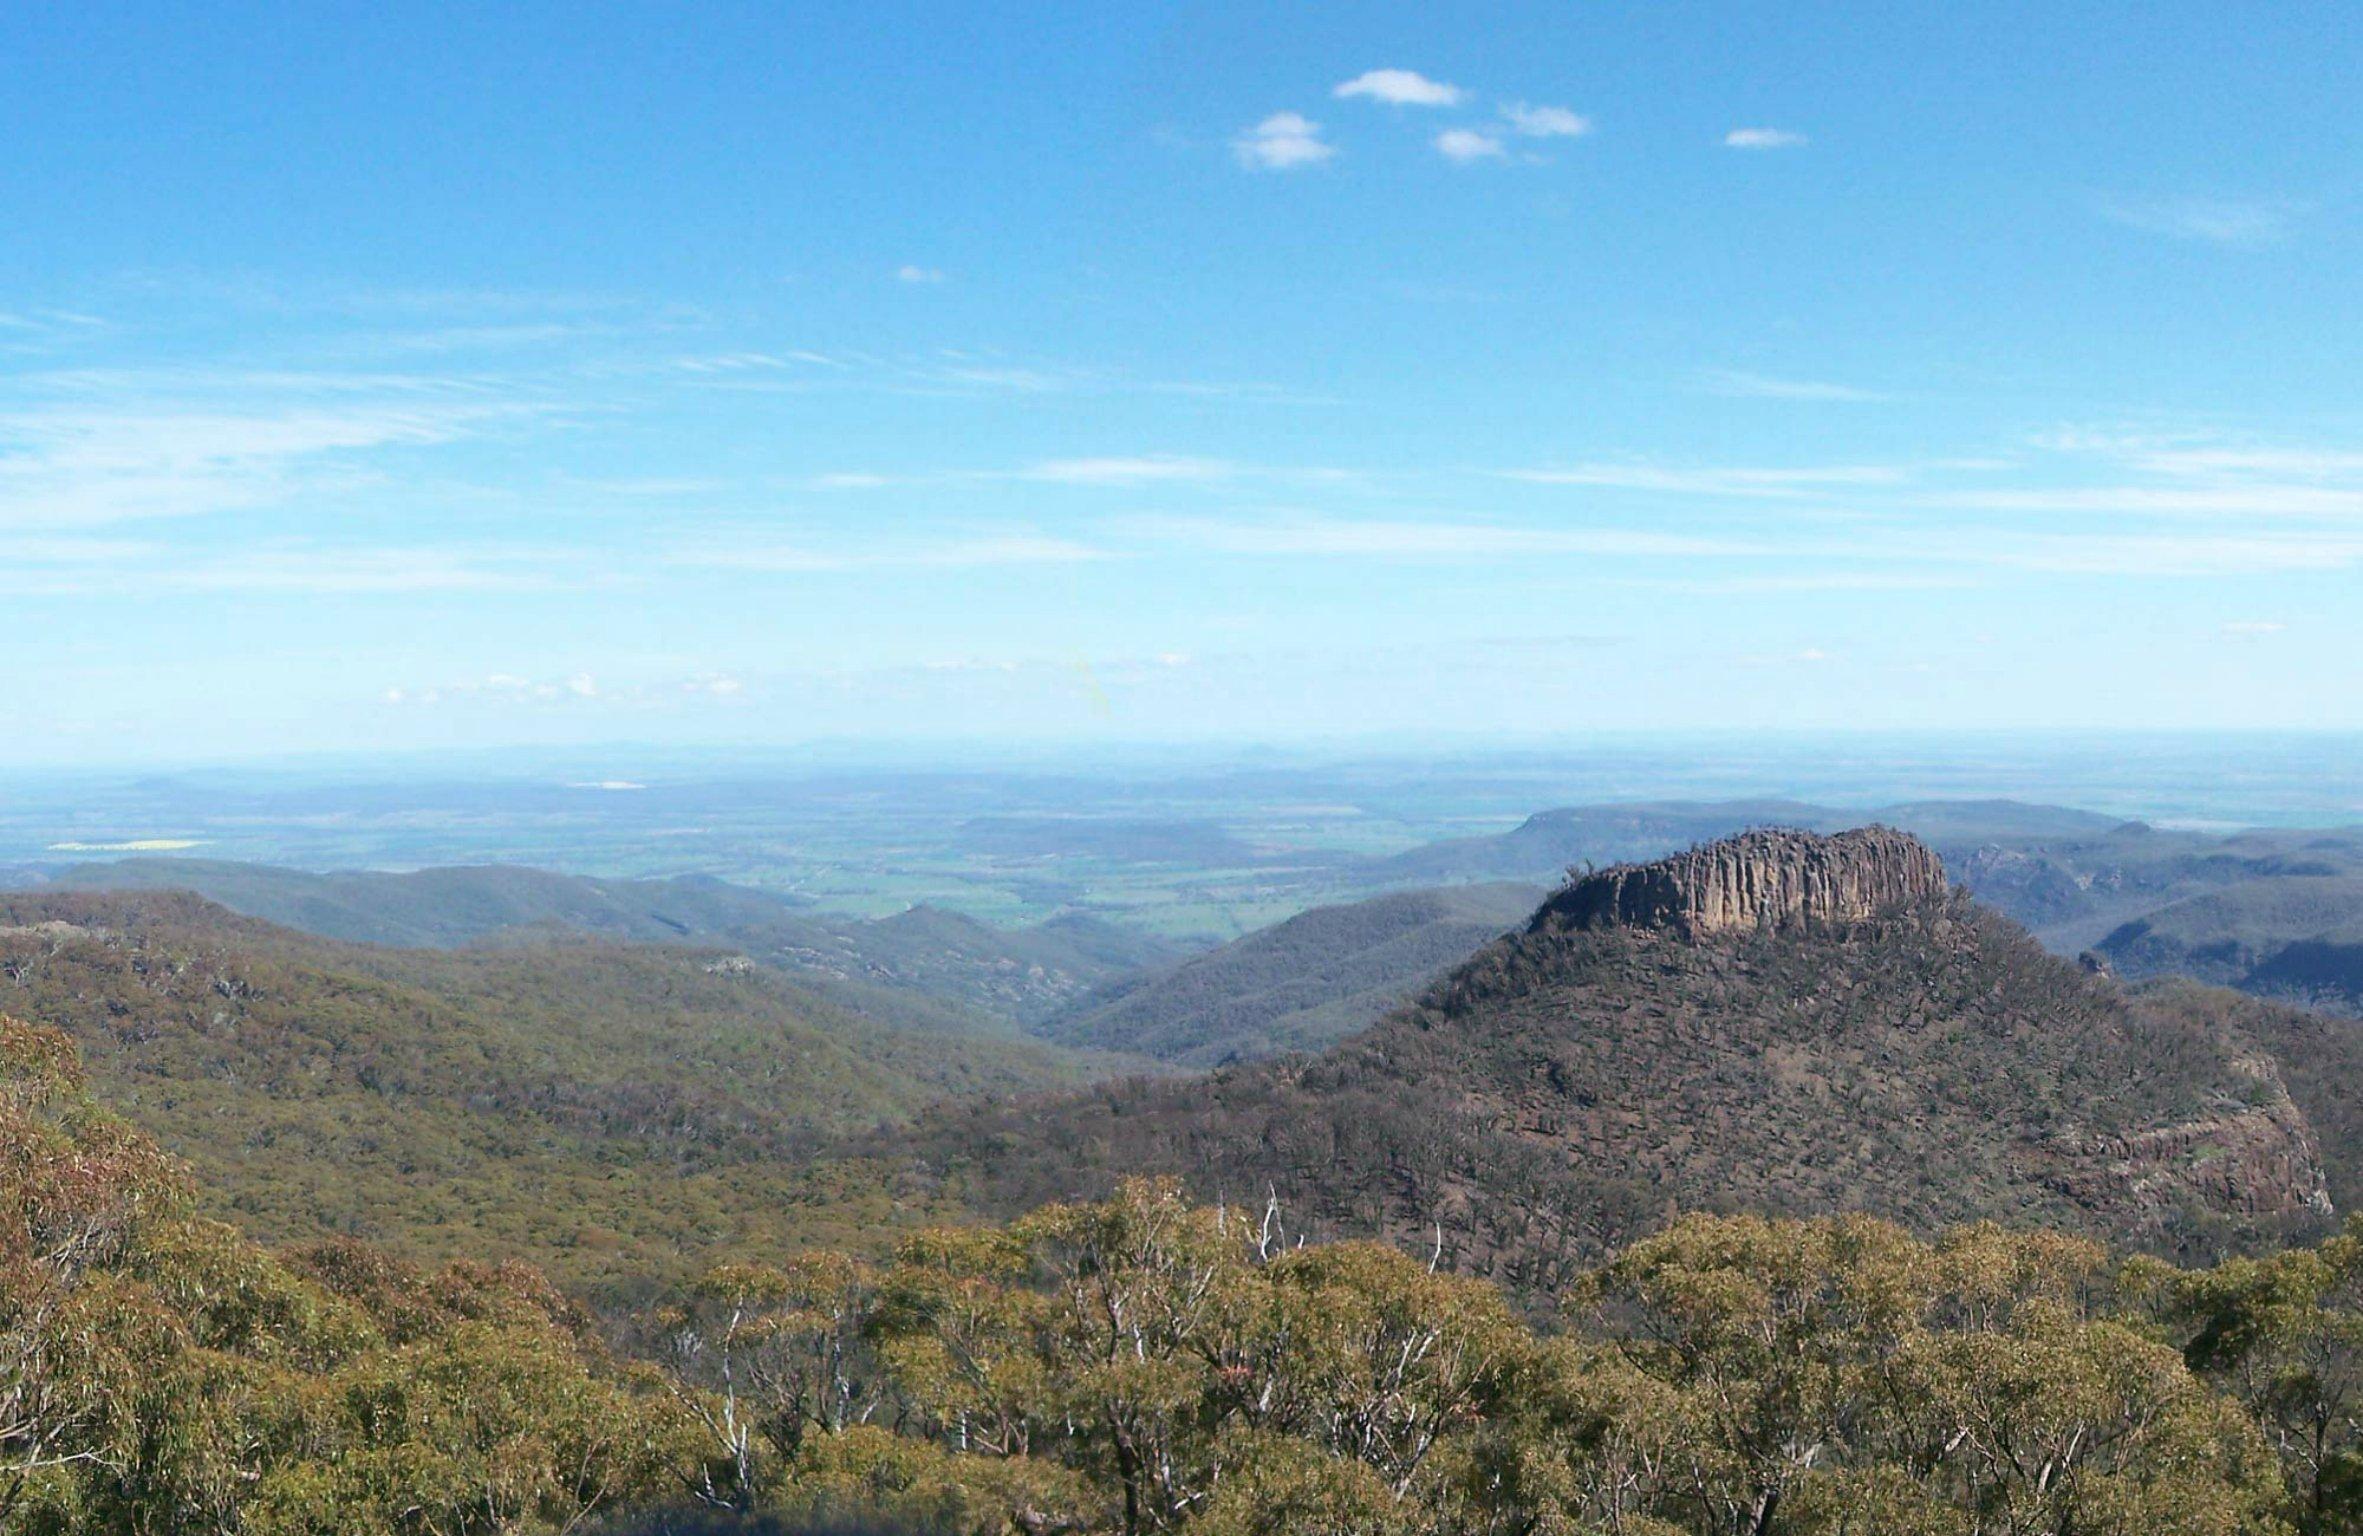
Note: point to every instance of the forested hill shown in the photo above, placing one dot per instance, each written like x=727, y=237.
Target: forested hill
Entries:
x=1876, y=1044
x=601, y=1109
x=444, y=907
x=1298, y=985
x=2296, y=937
x=1010, y=975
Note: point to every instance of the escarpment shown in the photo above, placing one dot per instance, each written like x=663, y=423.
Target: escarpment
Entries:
x=1763, y=879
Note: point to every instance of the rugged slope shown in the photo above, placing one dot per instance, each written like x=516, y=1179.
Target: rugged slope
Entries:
x=1782, y=1023
x=602, y=1109
x=1298, y=985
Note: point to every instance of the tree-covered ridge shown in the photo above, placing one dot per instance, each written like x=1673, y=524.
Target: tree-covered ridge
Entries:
x=603, y=1110
x=160, y=1373
x=997, y=976
x=1143, y=1364
x=1299, y=985
x=1564, y=1090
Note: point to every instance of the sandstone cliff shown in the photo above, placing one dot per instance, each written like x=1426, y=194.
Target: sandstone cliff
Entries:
x=1757, y=880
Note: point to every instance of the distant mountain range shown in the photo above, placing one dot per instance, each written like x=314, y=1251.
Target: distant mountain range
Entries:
x=2273, y=912
x=924, y=966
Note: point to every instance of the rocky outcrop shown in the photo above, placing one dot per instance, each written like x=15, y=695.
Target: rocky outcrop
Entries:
x=2257, y=1160
x=1757, y=880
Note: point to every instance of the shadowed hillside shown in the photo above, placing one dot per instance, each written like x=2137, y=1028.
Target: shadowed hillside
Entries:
x=1298, y=985
x=2297, y=938
x=1846, y=1035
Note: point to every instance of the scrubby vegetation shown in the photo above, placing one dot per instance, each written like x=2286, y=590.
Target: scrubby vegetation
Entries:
x=160, y=1373
x=609, y=1112
x=1143, y=1364
x=1557, y=1095
x=1845, y=1222
x=921, y=964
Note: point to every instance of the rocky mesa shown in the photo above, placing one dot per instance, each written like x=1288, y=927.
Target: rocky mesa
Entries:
x=1771, y=878
x=1777, y=1022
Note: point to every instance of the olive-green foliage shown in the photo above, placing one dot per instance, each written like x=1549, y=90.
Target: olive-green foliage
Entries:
x=1146, y=1365
x=600, y=1110
x=2284, y=1336
x=161, y=1374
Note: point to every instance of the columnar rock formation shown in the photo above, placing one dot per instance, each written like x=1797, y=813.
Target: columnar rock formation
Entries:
x=1763, y=879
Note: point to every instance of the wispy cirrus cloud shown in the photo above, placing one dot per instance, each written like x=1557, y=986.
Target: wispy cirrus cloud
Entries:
x=1716, y=480
x=1133, y=470
x=73, y=569
x=1427, y=538
x=2239, y=222
x=1745, y=385
x=953, y=550
x=74, y=466
x=1764, y=139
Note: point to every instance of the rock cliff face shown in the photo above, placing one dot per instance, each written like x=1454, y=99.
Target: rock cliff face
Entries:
x=1757, y=880
x=2263, y=1160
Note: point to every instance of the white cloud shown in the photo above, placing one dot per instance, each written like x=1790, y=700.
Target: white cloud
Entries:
x=571, y=690
x=2304, y=463
x=2237, y=222
x=1401, y=88
x=1545, y=122
x=950, y=553
x=1127, y=471
x=2230, y=499
x=1811, y=656
x=285, y=570
x=67, y=467
x=1466, y=145
x=1432, y=539
x=1762, y=138
x=1759, y=386
x=910, y=273
x=1677, y=480
x=501, y=688
x=1282, y=142
x=2253, y=629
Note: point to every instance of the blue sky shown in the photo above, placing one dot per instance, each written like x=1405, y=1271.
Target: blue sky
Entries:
x=476, y=376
